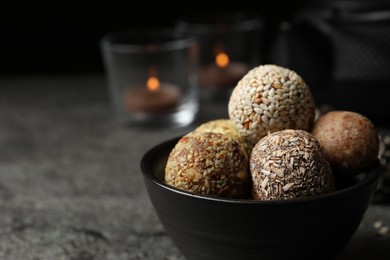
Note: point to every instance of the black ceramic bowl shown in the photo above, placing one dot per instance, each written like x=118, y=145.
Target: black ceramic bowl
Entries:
x=214, y=228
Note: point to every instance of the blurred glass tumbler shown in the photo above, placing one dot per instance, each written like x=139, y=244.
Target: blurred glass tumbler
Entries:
x=151, y=76
x=229, y=47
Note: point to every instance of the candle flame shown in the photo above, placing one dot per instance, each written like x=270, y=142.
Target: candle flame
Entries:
x=222, y=60
x=152, y=84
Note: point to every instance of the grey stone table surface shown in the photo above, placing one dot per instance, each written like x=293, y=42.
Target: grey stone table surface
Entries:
x=71, y=185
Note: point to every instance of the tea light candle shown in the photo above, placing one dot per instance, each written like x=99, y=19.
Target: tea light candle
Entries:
x=154, y=98
x=222, y=74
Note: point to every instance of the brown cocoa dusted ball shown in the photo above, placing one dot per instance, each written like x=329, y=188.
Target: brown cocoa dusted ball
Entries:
x=209, y=163
x=270, y=98
x=349, y=140
x=289, y=164
x=225, y=126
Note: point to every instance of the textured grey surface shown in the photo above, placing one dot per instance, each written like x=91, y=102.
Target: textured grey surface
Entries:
x=70, y=181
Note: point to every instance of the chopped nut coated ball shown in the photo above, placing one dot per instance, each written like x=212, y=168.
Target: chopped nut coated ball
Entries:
x=209, y=163
x=289, y=164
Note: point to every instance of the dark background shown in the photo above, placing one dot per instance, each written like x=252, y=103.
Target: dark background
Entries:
x=66, y=39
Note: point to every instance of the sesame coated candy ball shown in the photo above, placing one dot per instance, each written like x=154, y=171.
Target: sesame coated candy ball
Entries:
x=209, y=163
x=226, y=127
x=289, y=164
x=349, y=140
x=270, y=98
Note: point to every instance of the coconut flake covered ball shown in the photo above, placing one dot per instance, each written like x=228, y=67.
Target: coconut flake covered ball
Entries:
x=226, y=127
x=289, y=164
x=349, y=140
x=209, y=163
x=270, y=98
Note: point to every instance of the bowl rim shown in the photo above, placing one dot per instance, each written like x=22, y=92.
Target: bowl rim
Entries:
x=372, y=175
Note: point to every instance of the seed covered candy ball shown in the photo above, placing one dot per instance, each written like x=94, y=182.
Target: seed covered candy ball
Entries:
x=226, y=127
x=209, y=163
x=270, y=98
x=349, y=140
x=289, y=164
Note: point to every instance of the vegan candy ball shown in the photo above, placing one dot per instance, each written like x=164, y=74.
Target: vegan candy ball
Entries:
x=289, y=164
x=349, y=140
x=270, y=98
x=209, y=163
x=224, y=126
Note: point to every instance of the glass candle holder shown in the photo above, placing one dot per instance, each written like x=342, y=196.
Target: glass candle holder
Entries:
x=151, y=76
x=229, y=46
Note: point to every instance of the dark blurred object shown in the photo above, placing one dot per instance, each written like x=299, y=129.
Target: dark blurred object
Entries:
x=234, y=35
x=382, y=195
x=341, y=48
